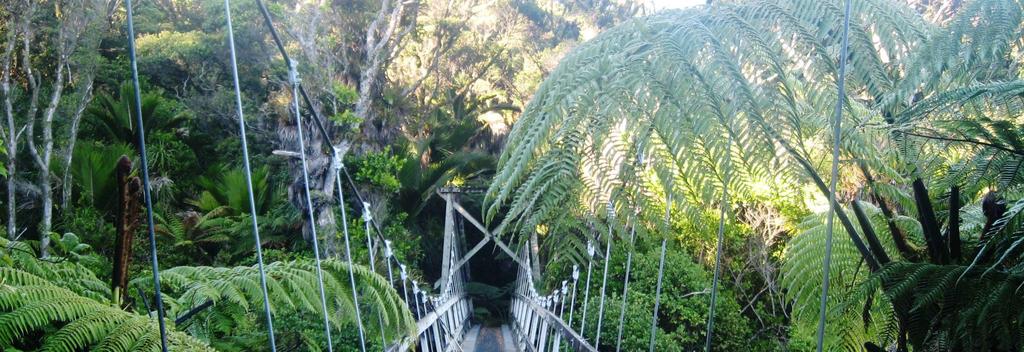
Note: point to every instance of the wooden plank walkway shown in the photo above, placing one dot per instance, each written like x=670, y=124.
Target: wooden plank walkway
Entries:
x=489, y=339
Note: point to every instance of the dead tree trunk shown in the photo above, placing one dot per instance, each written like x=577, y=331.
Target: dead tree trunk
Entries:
x=126, y=224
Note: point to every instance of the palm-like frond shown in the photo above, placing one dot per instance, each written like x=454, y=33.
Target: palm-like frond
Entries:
x=72, y=275
x=226, y=187
x=856, y=314
x=675, y=86
x=72, y=322
x=956, y=308
x=110, y=115
x=293, y=289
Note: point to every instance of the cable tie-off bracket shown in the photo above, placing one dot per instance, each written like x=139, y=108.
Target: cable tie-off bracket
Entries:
x=337, y=163
x=366, y=212
x=293, y=73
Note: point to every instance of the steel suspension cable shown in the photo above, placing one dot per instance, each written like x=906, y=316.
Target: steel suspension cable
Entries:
x=338, y=165
x=586, y=291
x=661, y=272
x=836, y=138
x=293, y=77
x=296, y=90
x=561, y=314
x=607, y=261
x=367, y=218
x=314, y=115
x=572, y=303
x=721, y=240
x=140, y=135
x=248, y=177
x=625, y=286
x=405, y=277
x=388, y=253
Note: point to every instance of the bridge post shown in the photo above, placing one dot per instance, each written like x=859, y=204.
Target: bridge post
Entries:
x=424, y=342
x=561, y=311
x=436, y=329
x=449, y=235
x=542, y=340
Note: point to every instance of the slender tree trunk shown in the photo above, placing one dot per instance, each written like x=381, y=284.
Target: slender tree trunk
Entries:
x=69, y=151
x=26, y=63
x=72, y=28
x=937, y=249
x=10, y=134
x=42, y=157
x=902, y=245
x=12, y=189
x=953, y=227
x=535, y=252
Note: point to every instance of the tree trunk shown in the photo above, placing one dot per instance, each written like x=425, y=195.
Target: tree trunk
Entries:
x=72, y=28
x=42, y=158
x=69, y=151
x=929, y=223
x=126, y=223
x=26, y=63
x=378, y=49
x=9, y=134
x=321, y=185
x=953, y=226
x=535, y=252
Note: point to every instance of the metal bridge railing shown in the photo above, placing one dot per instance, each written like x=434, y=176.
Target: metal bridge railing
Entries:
x=535, y=322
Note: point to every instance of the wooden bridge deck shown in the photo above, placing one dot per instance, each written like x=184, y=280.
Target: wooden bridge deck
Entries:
x=489, y=339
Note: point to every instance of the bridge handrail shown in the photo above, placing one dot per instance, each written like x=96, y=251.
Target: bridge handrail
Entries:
x=573, y=338
x=428, y=320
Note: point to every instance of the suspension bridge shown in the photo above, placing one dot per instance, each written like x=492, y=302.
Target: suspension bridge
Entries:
x=540, y=321
x=443, y=311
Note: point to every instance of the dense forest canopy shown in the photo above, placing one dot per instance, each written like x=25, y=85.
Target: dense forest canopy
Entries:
x=686, y=153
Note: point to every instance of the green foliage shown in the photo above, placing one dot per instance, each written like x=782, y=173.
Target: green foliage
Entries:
x=197, y=237
x=71, y=322
x=210, y=234
x=175, y=47
x=854, y=315
x=754, y=80
x=225, y=187
x=93, y=169
x=293, y=289
x=346, y=95
x=109, y=116
x=66, y=307
x=91, y=225
x=3, y=168
x=71, y=274
x=379, y=169
x=347, y=118
x=956, y=308
x=684, y=305
x=994, y=152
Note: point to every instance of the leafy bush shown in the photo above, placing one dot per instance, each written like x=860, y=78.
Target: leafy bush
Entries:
x=379, y=169
x=684, y=305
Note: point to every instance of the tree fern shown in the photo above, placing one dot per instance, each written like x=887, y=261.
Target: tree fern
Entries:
x=71, y=322
x=293, y=288
x=675, y=85
x=856, y=314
